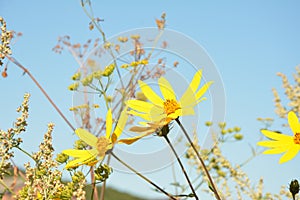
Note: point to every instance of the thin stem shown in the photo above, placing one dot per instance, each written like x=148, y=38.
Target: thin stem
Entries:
x=42, y=90
x=6, y=187
x=142, y=176
x=28, y=154
x=201, y=160
x=94, y=194
x=104, y=182
x=182, y=167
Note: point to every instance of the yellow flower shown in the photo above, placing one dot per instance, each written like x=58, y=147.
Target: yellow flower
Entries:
x=280, y=143
x=99, y=146
x=168, y=108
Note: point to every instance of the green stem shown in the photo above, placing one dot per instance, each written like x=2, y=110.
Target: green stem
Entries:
x=142, y=176
x=200, y=159
x=6, y=187
x=28, y=154
x=182, y=167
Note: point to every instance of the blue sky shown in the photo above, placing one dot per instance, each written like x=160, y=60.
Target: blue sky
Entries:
x=249, y=42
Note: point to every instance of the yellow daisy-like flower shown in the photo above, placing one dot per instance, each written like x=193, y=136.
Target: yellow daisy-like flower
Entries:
x=280, y=143
x=99, y=145
x=168, y=108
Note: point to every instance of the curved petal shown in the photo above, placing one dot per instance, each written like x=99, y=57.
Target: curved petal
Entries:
x=187, y=111
x=203, y=89
x=141, y=129
x=121, y=123
x=108, y=123
x=188, y=99
x=140, y=106
x=166, y=88
x=157, y=113
x=87, y=137
x=277, y=136
x=294, y=122
x=196, y=81
x=134, y=139
x=150, y=94
x=78, y=153
x=146, y=117
x=82, y=160
x=290, y=154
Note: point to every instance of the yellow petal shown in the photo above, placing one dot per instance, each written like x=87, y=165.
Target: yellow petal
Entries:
x=293, y=122
x=108, y=123
x=276, y=136
x=277, y=150
x=188, y=99
x=87, y=137
x=273, y=143
x=166, y=88
x=150, y=94
x=140, y=129
x=133, y=139
x=157, y=113
x=140, y=106
x=121, y=123
x=203, y=89
x=79, y=153
x=187, y=111
x=81, y=161
x=196, y=81
x=290, y=154
x=141, y=115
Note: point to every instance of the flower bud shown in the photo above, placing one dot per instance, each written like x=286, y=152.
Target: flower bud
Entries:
x=87, y=80
x=61, y=158
x=294, y=187
x=238, y=136
x=108, y=70
x=73, y=86
x=76, y=76
x=102, y=172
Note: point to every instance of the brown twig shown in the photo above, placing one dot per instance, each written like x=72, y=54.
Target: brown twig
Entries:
x=26, y=71
x=214, y=188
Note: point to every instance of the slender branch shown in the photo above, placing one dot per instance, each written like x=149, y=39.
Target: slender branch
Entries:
x=6, y=187
x=26, y=71
x=200, y=159
x=142, y=176
x=182, y=167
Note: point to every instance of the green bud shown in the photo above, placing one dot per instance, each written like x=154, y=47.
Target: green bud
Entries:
x=76, y=76
x=87, y=80
x=221, y=173
x=230, y=130
x=223, y=131
x=294, y=188
x=61, y=158
x=97, y=74
x=238, y=136
x=208, y=123
x=77, y=177
x=73, y=86
x=102, y=172
x=79, y=144
x=222, y=125
x=237, y=129
x=108, y=70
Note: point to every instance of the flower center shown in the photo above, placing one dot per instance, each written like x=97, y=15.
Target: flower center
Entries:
x=170, y=106
x=102, y=145
x=297, y=138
